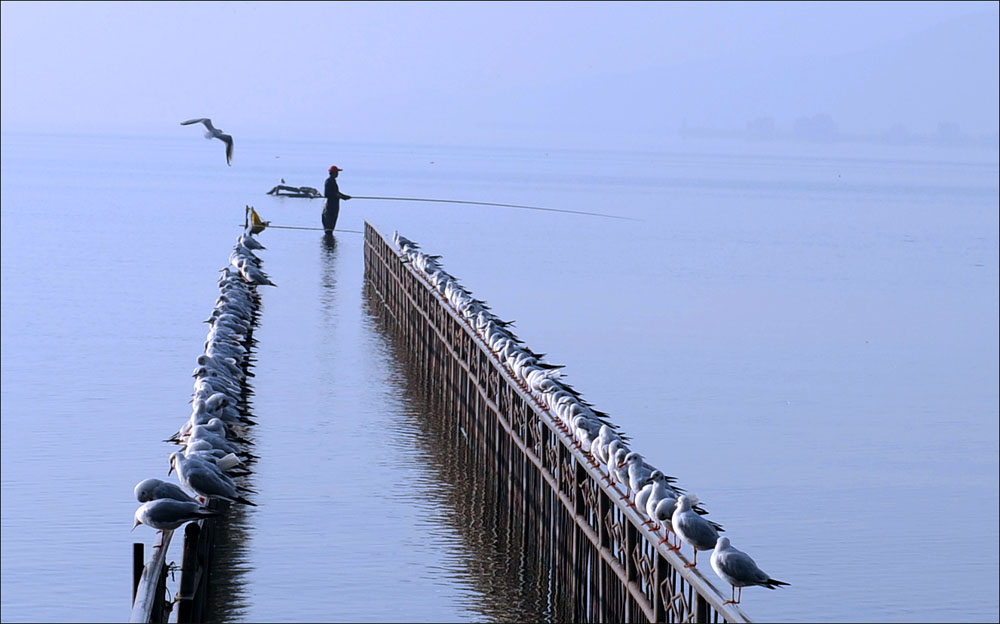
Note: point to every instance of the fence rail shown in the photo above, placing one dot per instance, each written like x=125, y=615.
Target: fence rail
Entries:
x=605, y=562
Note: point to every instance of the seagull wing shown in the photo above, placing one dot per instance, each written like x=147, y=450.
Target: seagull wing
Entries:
x=742, y=567
x=202, y=120
x=229, y=147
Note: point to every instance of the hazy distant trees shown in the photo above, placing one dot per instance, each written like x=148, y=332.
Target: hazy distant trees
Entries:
x=823, y=128
x=819, y=127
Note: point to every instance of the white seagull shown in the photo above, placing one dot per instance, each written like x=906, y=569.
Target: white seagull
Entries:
x=205, y=479
x=739, y=570
x=700, y=533
x=214, y=133
x=167, y=513
x=154, y=489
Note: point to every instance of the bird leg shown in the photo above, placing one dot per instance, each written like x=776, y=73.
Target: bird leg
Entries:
x=733, y=599
x=693, y=563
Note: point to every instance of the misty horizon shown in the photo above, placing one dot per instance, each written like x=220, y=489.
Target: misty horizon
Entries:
x=554, y=74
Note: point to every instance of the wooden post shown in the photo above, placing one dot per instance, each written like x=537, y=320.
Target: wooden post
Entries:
x=138, y=563
x=189, y=572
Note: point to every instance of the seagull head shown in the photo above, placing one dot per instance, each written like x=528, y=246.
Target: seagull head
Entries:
x=722, y=543
x=173, y=461
x=143, y=490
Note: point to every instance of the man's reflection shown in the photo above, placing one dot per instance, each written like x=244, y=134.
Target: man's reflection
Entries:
x=328, y=280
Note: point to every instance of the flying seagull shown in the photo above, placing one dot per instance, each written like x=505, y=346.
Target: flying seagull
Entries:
x=214, y=133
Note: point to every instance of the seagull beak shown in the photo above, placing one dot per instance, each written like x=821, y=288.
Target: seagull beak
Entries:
x=137, y=523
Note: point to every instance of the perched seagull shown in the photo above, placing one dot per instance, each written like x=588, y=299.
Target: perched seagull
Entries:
x=663, y=512
x=739, y=570
x=214, y=133
x=167, y=513
x=700, y=533
x=205, y=479
x=153, y=489
x=642, y=496
x=655, y=489
x=638, y=473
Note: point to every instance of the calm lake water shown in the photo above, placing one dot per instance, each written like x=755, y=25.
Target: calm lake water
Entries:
x=806, y=336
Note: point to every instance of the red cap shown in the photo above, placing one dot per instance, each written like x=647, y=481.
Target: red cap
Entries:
x=335, y=168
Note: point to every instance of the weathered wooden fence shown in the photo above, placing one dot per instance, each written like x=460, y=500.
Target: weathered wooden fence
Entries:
x=605, y=563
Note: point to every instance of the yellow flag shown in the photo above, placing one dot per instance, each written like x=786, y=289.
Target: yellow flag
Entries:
x=257, y=224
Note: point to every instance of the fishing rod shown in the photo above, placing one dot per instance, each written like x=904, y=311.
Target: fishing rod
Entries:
x=475, y=203
x=268, y=225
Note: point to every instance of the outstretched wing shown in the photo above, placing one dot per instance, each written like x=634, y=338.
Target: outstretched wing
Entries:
x=229, y=147
x=203, y=120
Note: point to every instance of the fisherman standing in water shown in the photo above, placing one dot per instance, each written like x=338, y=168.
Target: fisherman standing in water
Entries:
x=333, y=196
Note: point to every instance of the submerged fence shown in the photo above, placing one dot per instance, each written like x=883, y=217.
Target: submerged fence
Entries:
x=605, y=563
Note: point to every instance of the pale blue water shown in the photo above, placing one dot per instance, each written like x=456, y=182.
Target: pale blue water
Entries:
x=806, y=336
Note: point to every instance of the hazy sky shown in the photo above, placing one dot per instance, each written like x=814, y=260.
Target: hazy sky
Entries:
x=503, y=72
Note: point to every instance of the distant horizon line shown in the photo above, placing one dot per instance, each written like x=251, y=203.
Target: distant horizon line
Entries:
x=986, y=141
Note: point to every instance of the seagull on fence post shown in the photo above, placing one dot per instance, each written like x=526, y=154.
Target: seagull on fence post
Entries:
x=700, y=533
x=739, y=570
x=214, y=133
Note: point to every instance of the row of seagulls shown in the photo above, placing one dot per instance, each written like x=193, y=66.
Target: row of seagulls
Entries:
x=211, y=132
x=213, y=439
x=651, y=492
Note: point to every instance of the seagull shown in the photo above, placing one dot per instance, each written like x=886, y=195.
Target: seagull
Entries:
x=153, y=489
x=657, y=490
x=214, y=133
x=205, y=479
x=663, y=512
x=642, y=496
x=638, y=473
x=739, y=570
x=167, y=513
x=700, y=533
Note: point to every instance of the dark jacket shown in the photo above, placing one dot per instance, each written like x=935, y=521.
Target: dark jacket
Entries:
x=332, y=208
x=332, y=191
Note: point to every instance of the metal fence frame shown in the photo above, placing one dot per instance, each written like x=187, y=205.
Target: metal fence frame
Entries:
x=605, y=562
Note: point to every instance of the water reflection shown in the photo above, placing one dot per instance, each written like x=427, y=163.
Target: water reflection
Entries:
x=228, y=592
x=328, y=264
x=507, y=569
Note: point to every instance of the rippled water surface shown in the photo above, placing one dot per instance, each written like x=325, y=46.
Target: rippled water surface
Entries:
x=806, y=336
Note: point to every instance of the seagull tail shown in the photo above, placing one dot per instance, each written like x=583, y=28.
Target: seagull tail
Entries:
x=774, y=583
x=240, y=499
